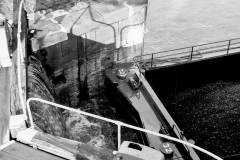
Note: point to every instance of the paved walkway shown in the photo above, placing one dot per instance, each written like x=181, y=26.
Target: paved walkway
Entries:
x=18, y=151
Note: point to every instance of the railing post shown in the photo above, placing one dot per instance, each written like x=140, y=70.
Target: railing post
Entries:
x=152, y=61
x=229, y=43
x=119, y=136
x=191, y=53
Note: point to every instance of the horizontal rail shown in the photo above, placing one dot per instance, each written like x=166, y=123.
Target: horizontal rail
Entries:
x=119, y=125
x=205, y=44
x=225, y=46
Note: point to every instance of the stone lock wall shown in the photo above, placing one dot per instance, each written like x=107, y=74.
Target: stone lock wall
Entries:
x=96, y=40
x=82, y=39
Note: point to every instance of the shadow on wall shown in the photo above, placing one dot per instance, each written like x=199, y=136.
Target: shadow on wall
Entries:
x=73, y=62
x=82, y=60
x=62, y=123
x=79, y=62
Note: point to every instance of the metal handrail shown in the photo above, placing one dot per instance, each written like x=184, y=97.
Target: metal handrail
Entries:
x=207, y=47
x=121, y=31
x=20, y=59
x=119, y=125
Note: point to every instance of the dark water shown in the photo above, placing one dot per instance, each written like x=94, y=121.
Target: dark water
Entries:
x=204, y=99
